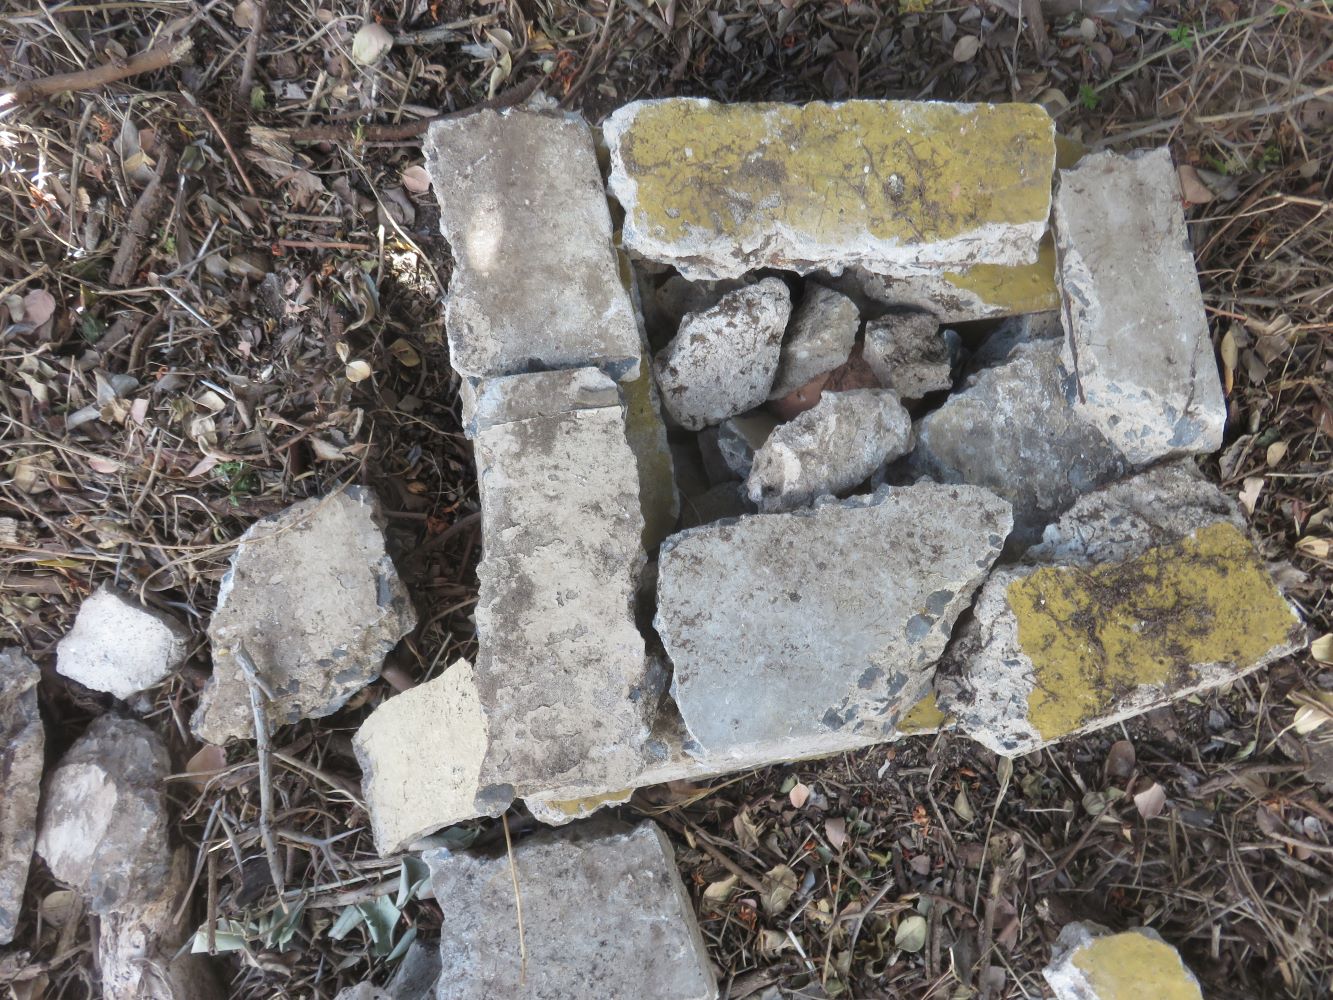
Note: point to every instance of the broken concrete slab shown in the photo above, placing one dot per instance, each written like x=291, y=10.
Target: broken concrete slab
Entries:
x=119, y=646
x=820, y=337
x=1138, y=342
x=1089, y=962
x=1144, y=592
x=828, y=449
x=852, y=658
x=317, y=604
x=640, y=939
x=22, y=740
x=1011, y=429
x=494, y=401
x=721, y=189
x=535, y=283
x=910, y=354
x=723, y=360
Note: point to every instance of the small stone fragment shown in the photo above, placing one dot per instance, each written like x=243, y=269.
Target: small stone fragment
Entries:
x=744, y=602
x=820, y=337
x=22, y=740
x=1089, y=962
x=738, y=438
x=909, y=353
x=1138, y=342
x=535, y=284
x=559, y=812
x=724, y=359
x=665, y=304
x=316, y=602
x=119, y=646
x=721, y=189
x=1145, y=591
x=829, y=449
x=604, y=915
x=417, y=974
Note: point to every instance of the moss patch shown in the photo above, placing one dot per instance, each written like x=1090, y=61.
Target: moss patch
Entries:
x=1023, y=289
x=578, y=808
x=923, y=717
x=1133, y=966
x=1093, y=635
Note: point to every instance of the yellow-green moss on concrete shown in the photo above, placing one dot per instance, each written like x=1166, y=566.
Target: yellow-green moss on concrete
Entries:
x=923, y=717
x=1095, y=634
x=1012, y=290
x=578, y=808
x=1134, y=966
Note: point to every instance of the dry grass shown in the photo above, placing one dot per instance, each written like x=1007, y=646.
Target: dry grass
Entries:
x=193, y=376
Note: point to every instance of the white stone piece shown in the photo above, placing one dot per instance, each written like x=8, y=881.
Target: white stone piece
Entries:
x=1138, y=341
x=119, y=646
x=829, y=449
x=724, y=359
x=820, y=337
x=604, y=915
x=22, y=740
x=743, y=603
x=535, y=283
x=1089, y=962
x=317, y=604
x=909, y=353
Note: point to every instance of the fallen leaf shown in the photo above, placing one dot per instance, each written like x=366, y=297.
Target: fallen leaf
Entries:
x=772, y=942
x=57, y=907
x=1192, y=187
x=966, y=47
x=39, y=305
x=1276, y=452
x=963, y=807
x=1120, y=760
x=1319, y=548
x=405, y=353
x=921, y=864
x=207, y=763
x=720, y=891
x=911, y=934
x=1313, y=710
x=1322, y=648
x=106, y=466
x=358, y=371
x=1151, y=801
x=1249, y=494
x=1230, y=354
x=835, y=829
x=798, y=795
x=205, y=464
x=416, y=179
x=779, y=886
x=371, y=44
x=245, y=15
x=747, y=831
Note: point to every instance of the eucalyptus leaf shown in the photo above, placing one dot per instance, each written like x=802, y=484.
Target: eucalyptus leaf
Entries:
x=348, y=921
x=381, y=919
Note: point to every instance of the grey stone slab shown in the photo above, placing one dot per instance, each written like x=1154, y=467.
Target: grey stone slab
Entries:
x=604, y=915
x=535, y=283
x=909, y=353
x=1089, y=962
x=820, y=337
x=119, y=646
x=315, y=600
x=545, y=394
x=828, y=449
x=810, y=632
x=22, y=740
x=1138, y=342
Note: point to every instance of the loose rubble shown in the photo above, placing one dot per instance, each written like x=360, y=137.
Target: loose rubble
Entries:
x=910, y=354
x=119, y=646
x=820, y=337
x=22, y=740
x=1089, y=962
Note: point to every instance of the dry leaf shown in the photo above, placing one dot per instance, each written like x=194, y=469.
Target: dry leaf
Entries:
x=208, y=762
x=245, y=15
x=1249, y=494
x=1230, y=355
x=772, y=942
x=798, y=795
x=720, y=891
x=747, y=831
x=1322, y=648
x=1120, y=760
x=779, y=886
x=1276, y=452
x=371, y=44
x=911, y=934
x=106, y=466
x=358, y=371
x=966, y=47
x=1314, y=709
x=1151, y=801
x=835, y=830
x=1317, y=547
x=1192, y=187
x=416, y=179
x=963, y=807
x=57, y=907
x=405, y=353
x=39, y=305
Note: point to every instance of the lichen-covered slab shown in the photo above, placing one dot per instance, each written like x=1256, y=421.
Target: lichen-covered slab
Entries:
x=813, y=631
x=1138, y=342
x=1145, y=591
x=535, y=283
x=604, y=915
x=1088, y=962
x=718, y=190
x=22, y=739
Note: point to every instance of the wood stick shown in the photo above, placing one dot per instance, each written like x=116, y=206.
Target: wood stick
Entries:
x=264, y=745
x=252, y=52
x=155, y=58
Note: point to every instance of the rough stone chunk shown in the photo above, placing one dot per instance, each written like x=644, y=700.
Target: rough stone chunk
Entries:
x=829, y=449
x=535, y=283
x=819, y=338
x=1145, y=591
x=667, y=302
x=909, y=353
x=718, y=189
x=1011, y=429
x=22, y=740
x=743, y=604
x=1089, y=962
x=604, y=915
x=1138, y=341
x=317, y=604
x=724, y=359
x=119, y=646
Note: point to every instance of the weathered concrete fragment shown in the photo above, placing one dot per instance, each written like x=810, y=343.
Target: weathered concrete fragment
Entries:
x=829, y=449
x=1138, y=342
x=604, y=915
x=495, y=401
x=724, y=359
x=317, y=604
x=909, y=353
x=667, y=302
x=851, y=658
x=535, y=284
x=718, y=190
x=1011, y=429
x=820, y=337
x=1089, y=962
x=119, y=646
x=1145, y=591
x=22, y=740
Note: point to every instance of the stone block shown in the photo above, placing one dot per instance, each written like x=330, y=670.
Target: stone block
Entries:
x=770, y=596
x=1089, y=962
x=604, y=915
x=316, y=602
x=1145, y=591
x=22, y=740
x=535, y=283
x=910, y=354
x=119, y=646
x=828, y=449
x=1138, y=343
x=820, y=337
x=723, y=360
x=717, y=190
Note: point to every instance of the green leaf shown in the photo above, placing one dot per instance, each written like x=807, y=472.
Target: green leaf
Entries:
x=348, y=921
x=411, y=878
x=258, y=100
x=911, y=934
x=405, y=942
x=381, y=919
x=229, y=935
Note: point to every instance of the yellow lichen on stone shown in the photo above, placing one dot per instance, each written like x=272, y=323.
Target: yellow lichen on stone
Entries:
x=1094, y=634
x=1134, y=966
x=923, y=717
x=893, y=172
x=578, y=808
x=1013, y=290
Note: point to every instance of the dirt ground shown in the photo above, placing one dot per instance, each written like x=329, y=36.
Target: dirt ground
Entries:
x=222, y=279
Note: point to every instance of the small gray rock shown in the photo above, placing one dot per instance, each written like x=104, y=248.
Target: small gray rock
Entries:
x=119, y=646
x=724, y=359
x=819, y=338
x=909, y=353
x=22, y=740
x=829, y=449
